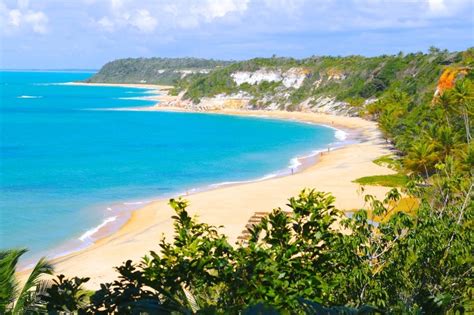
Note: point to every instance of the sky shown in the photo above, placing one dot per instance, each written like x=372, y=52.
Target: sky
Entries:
x=85, y=34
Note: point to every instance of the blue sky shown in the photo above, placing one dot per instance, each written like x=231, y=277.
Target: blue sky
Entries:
x=48, y=34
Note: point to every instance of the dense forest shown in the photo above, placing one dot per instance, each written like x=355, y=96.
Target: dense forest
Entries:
x=153, y=70
x=388, y=258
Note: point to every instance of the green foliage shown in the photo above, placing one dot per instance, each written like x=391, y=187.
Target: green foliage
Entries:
x=289, y=252
x=66, y=295
x=8, y=282
x=152, y=70
x=13, y=298
x=392, y=180
x=389, y=161
x=430, y=133
x=216, y=82
x=127, y=295
x=306, y=261
x=360, y=78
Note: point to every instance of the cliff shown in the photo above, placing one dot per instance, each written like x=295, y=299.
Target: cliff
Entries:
x=337, y=85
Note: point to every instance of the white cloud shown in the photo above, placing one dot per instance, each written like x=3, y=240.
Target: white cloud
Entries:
x=37, y=20
x=143, y=21
x=436, y=5
x=140, y=19
x=106, y=24
x=289, y=5
x=216, y=9
x=146, y=15
x=266, y=16
x=444, y=8
x=15, y=19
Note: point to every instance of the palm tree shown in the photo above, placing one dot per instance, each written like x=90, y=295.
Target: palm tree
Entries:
x=13, y=298
x=421, y=158
x=444, y=100
x=463, y=95
x=444, y=140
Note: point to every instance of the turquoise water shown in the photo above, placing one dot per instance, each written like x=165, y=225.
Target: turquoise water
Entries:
x=66, y=168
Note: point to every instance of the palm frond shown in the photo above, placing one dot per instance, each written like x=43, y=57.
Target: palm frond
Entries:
x=42, y=267
x=8, y=283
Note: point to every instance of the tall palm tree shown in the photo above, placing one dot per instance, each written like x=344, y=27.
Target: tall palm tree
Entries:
x=444, y=140
x=421, y=158
x=463, y=95
x=13, y=297
x=444, y=100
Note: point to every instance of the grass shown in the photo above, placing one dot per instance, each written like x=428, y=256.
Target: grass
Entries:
x=389, y=161
x=392, y=180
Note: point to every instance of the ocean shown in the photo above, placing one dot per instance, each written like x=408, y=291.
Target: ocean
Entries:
x=69, y=166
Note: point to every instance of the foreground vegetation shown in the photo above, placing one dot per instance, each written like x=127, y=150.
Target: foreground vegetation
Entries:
x=314, y=260
x=295, y=263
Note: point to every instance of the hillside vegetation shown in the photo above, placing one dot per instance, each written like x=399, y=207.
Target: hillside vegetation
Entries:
x=331, y=84
x=153, y=70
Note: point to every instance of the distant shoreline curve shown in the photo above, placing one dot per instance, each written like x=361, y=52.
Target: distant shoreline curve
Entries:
x=136, y=225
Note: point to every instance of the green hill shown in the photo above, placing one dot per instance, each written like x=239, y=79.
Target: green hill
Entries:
x=153, y=70
x=332, y=82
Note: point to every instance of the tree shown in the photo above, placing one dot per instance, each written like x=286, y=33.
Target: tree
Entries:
x=13, y=298
x=463, y=96
x=66, y=295
x=421, y=158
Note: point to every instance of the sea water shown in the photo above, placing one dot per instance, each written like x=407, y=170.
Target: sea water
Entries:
x=69, y=165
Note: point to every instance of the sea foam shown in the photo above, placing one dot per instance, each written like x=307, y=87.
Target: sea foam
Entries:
x=88, y=234
x=29, y=96
x=340, y=135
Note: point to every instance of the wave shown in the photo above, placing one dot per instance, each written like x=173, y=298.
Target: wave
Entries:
x=88, y=234
x=268, y=176
x=50, y=84
x=29, y=96
x=135, y=98
x=135, y=203
x=139, y=98
x=340, y=135
x=294, y=163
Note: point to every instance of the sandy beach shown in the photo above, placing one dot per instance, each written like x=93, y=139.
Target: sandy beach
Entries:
x=232, y=206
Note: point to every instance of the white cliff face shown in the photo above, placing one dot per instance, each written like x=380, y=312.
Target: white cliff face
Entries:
x=293, y=78
x=279, y=98
x=256, y=77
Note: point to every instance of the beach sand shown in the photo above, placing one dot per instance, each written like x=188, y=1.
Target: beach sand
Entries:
x=232, y=206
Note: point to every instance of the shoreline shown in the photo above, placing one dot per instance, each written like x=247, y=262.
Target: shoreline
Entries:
x=98, y=259
x=122, y=211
